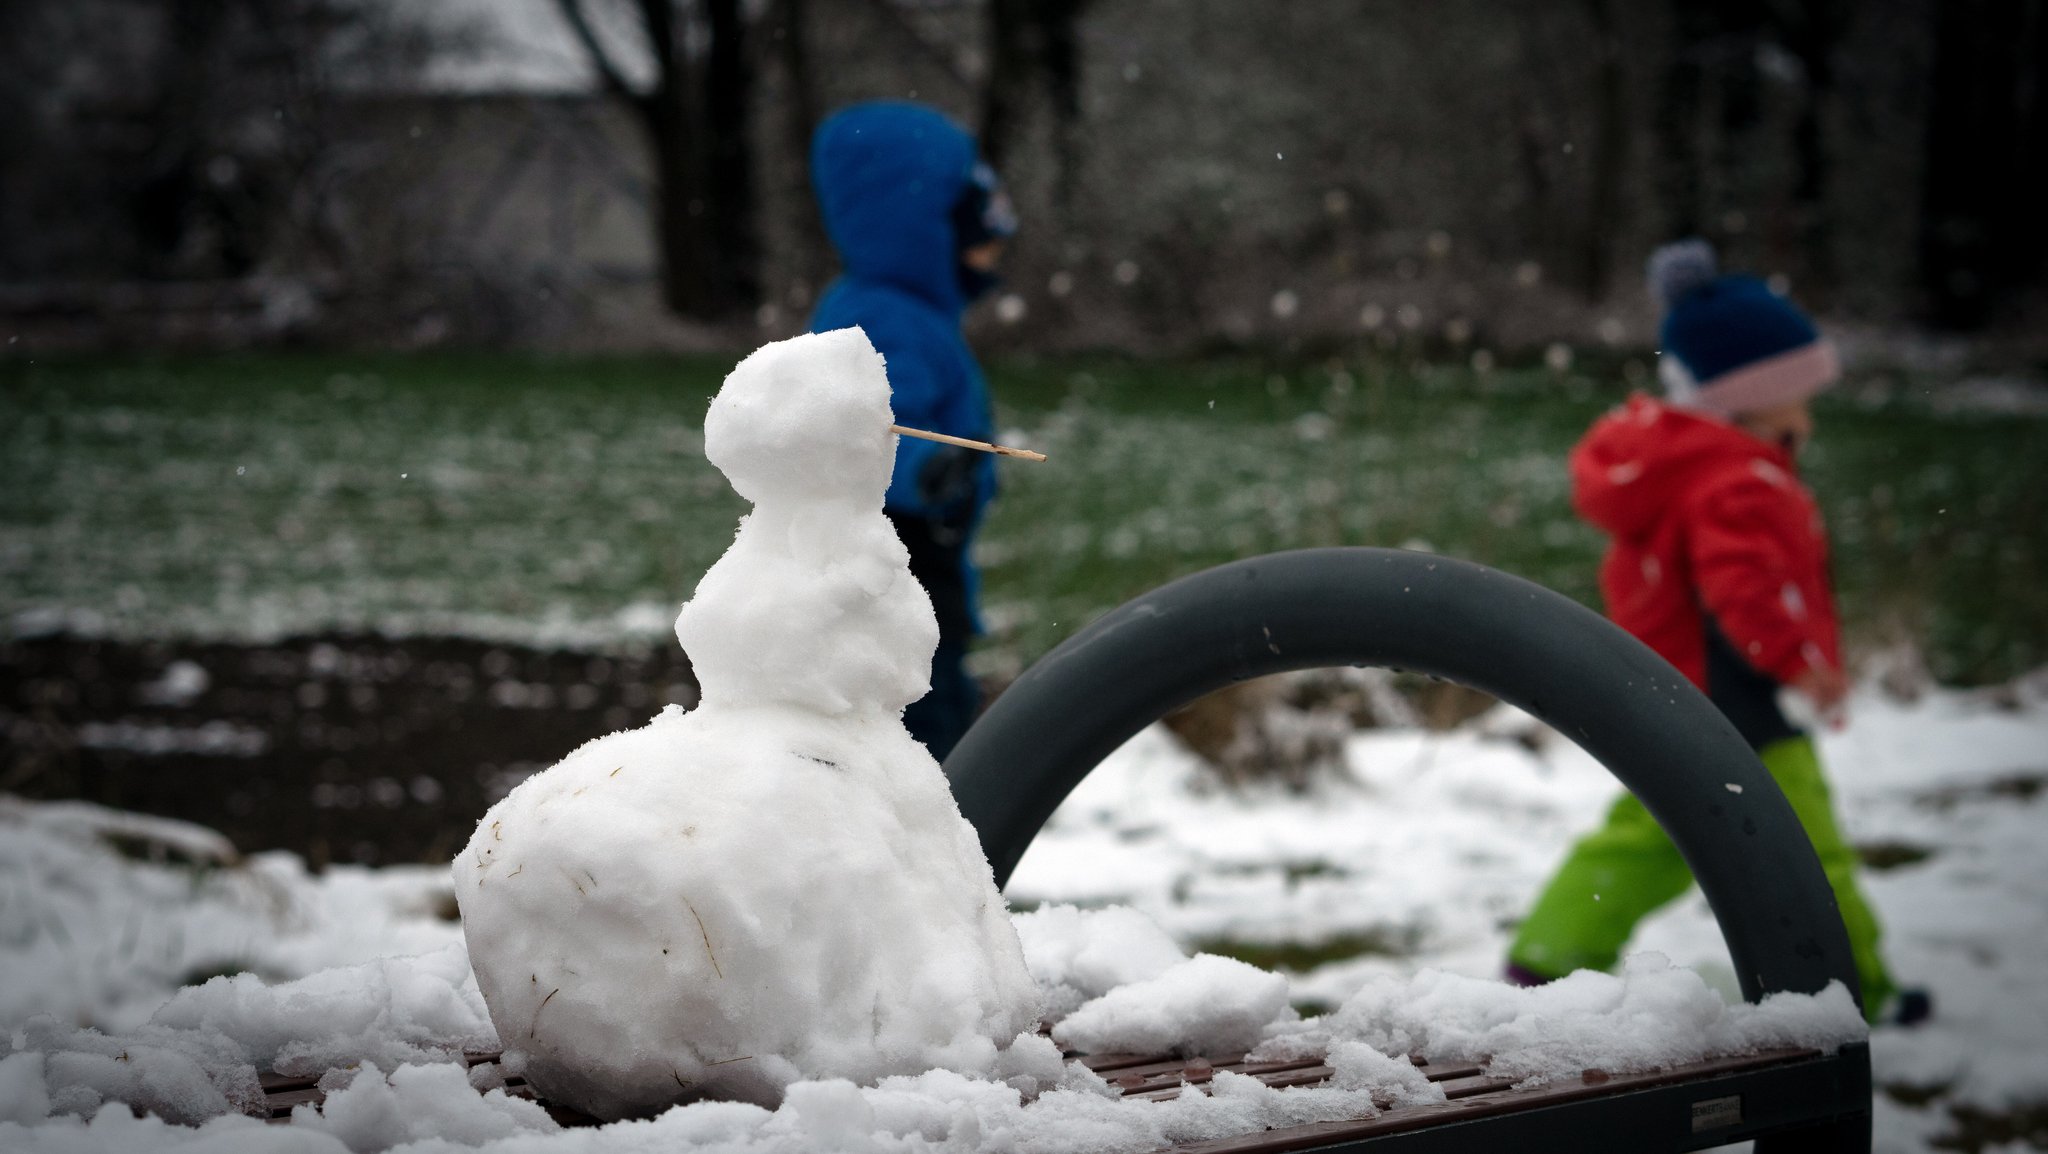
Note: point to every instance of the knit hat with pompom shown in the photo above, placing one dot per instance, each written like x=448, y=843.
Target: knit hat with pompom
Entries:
x=1729, y=344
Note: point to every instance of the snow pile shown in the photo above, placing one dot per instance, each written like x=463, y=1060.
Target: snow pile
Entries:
x=156, y=839
x=198, y=1057
x=942, y=1110
x=1392, y=1080
x=1205, y=1005
x=1652, y=1015
x=1113, y=981
x=430, y=1110
x=368, y=1110
x=778, y=885
x=1077, y=955
x=104, y=914
x=387, y=1012
x=178, y=1076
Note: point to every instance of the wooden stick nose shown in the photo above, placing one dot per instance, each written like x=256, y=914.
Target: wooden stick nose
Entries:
x=984, y=446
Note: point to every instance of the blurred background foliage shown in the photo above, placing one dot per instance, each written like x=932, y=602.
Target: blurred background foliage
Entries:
x=1479, y=175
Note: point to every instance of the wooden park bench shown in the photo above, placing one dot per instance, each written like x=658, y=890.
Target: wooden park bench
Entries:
x=1701, y=1103
x=1529, y=647
x=1570, y=668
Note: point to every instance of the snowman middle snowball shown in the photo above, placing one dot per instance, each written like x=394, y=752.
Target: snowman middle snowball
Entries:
x=778, y=884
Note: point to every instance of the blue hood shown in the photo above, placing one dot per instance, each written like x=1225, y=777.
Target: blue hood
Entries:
x=887, y=176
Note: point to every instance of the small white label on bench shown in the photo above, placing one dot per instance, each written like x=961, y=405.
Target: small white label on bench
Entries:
x=1715, y=1113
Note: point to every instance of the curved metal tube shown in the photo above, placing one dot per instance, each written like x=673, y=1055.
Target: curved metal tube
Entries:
x=1467, y=623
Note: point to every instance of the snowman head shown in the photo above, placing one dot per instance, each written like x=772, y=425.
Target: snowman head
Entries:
x=805, y=419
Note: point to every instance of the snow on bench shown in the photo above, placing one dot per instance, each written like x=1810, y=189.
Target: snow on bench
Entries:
x=1721, y=1099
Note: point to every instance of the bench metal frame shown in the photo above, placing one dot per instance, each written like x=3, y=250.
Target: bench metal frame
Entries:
x=1508, y=637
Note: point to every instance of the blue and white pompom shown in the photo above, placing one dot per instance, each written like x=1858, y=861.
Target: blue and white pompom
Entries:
x=1678, y=268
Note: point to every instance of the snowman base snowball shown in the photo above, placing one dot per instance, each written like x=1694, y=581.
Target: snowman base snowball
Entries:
x=777, y=885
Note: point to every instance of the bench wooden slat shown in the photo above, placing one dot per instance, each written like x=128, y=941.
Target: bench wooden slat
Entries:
x=1103, y=1063
x=1314, y=1075
x=280, y=1102
x=1467, y=1086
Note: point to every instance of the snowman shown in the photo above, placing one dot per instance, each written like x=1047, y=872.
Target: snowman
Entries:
x=776, y=885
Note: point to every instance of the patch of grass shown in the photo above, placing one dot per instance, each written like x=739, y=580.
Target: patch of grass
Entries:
x=1915, y=1095
x=1297, y=872
x=1979, y=1129
x=1300, y=957
x=2011, y=787
x=1890, y=855
x=1160, y=470
x=294, y=493
x=540, y=497
x=1291, y=872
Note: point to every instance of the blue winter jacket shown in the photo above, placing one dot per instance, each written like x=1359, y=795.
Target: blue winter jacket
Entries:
x=888, y=175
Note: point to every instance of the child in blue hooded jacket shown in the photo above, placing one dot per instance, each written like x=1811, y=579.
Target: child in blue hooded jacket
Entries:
x=919, y=222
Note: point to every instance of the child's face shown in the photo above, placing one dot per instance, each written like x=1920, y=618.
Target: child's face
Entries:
x=983, y=257
x=1787, y=426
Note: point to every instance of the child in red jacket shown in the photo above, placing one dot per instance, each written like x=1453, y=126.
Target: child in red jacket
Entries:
x=1718, y=561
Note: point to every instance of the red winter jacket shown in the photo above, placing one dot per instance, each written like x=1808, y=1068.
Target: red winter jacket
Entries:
x=1710, y=526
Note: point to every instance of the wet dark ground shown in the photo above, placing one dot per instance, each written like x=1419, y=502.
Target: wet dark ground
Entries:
x=340, y=748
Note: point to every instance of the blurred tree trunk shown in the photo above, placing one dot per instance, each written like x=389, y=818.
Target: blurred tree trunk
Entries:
x=1680, y=99
x=729, y=91
x=1812, y=29
x=1609, y=161
x=789, y=30
x=1983, y=238
x=1028, y=43
x=1573, y=236
x=1061, y=60
x=697, y=117
x=1009, y=75
x=1532, y=153
x=1707, y=103
x=165, y=197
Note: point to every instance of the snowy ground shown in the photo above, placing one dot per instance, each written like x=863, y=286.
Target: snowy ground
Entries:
x=1424, y=852
x=1439, y=841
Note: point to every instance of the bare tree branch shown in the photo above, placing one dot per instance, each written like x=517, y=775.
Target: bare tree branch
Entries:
x=658, y=17
x=789, y=21
x=608, y=74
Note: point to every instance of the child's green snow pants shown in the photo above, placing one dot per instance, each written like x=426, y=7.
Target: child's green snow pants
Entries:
x=1619, y=873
